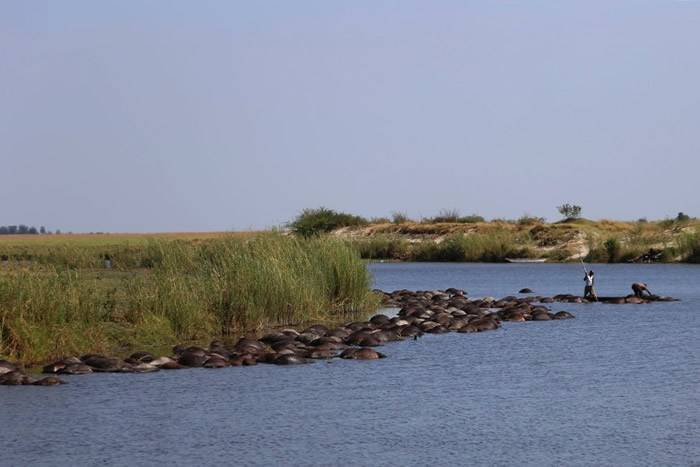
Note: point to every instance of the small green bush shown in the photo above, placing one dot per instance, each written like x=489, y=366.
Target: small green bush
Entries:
x=445, y=215
x=399, y=217
x=316, y=221
x=452, y=216
x=472, y=219
x=613, y=249
x=530, y=220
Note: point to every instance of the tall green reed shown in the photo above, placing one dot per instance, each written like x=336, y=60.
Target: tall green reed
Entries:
x=191, y=291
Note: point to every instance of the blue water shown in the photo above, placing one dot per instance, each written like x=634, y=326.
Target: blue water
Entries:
x=619, y=385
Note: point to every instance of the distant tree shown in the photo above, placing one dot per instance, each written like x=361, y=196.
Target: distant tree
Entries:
x=42, y=230
x=12, y=229
x=682, y=217
x=58, y=232
x=32, y=231
x=569, y=211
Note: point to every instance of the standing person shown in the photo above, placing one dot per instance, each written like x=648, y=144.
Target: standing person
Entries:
x=589, y=291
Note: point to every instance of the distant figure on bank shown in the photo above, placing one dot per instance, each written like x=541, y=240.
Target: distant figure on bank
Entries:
x=589, y=291
x=639, y=288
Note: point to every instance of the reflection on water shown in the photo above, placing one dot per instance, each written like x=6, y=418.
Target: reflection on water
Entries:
x=619, y=385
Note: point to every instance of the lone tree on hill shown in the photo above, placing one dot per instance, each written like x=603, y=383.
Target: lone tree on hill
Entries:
x=569, y=211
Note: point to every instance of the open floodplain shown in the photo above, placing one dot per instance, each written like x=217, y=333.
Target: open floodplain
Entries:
x=618, y=385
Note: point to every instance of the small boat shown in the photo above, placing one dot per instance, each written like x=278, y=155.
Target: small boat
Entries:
x=526, y=260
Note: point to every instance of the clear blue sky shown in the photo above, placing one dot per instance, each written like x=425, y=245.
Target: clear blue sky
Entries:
x=181, y=115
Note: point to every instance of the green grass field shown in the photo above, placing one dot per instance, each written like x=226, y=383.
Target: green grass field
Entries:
x=57, y=298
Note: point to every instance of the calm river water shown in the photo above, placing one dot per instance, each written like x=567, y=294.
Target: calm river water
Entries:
x=619, y=385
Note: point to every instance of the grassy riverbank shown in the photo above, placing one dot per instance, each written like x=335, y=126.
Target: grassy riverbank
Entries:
x=57, y=298
x=494, y=241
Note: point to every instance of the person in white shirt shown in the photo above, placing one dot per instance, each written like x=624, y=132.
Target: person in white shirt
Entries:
x=589, y=291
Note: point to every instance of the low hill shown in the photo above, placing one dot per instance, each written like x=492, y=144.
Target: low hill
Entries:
x=594, y=241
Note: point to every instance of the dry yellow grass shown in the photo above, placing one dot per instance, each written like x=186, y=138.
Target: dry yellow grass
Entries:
x=111, y=238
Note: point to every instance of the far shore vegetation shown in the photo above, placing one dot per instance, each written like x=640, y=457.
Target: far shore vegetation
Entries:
x=451, y=236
